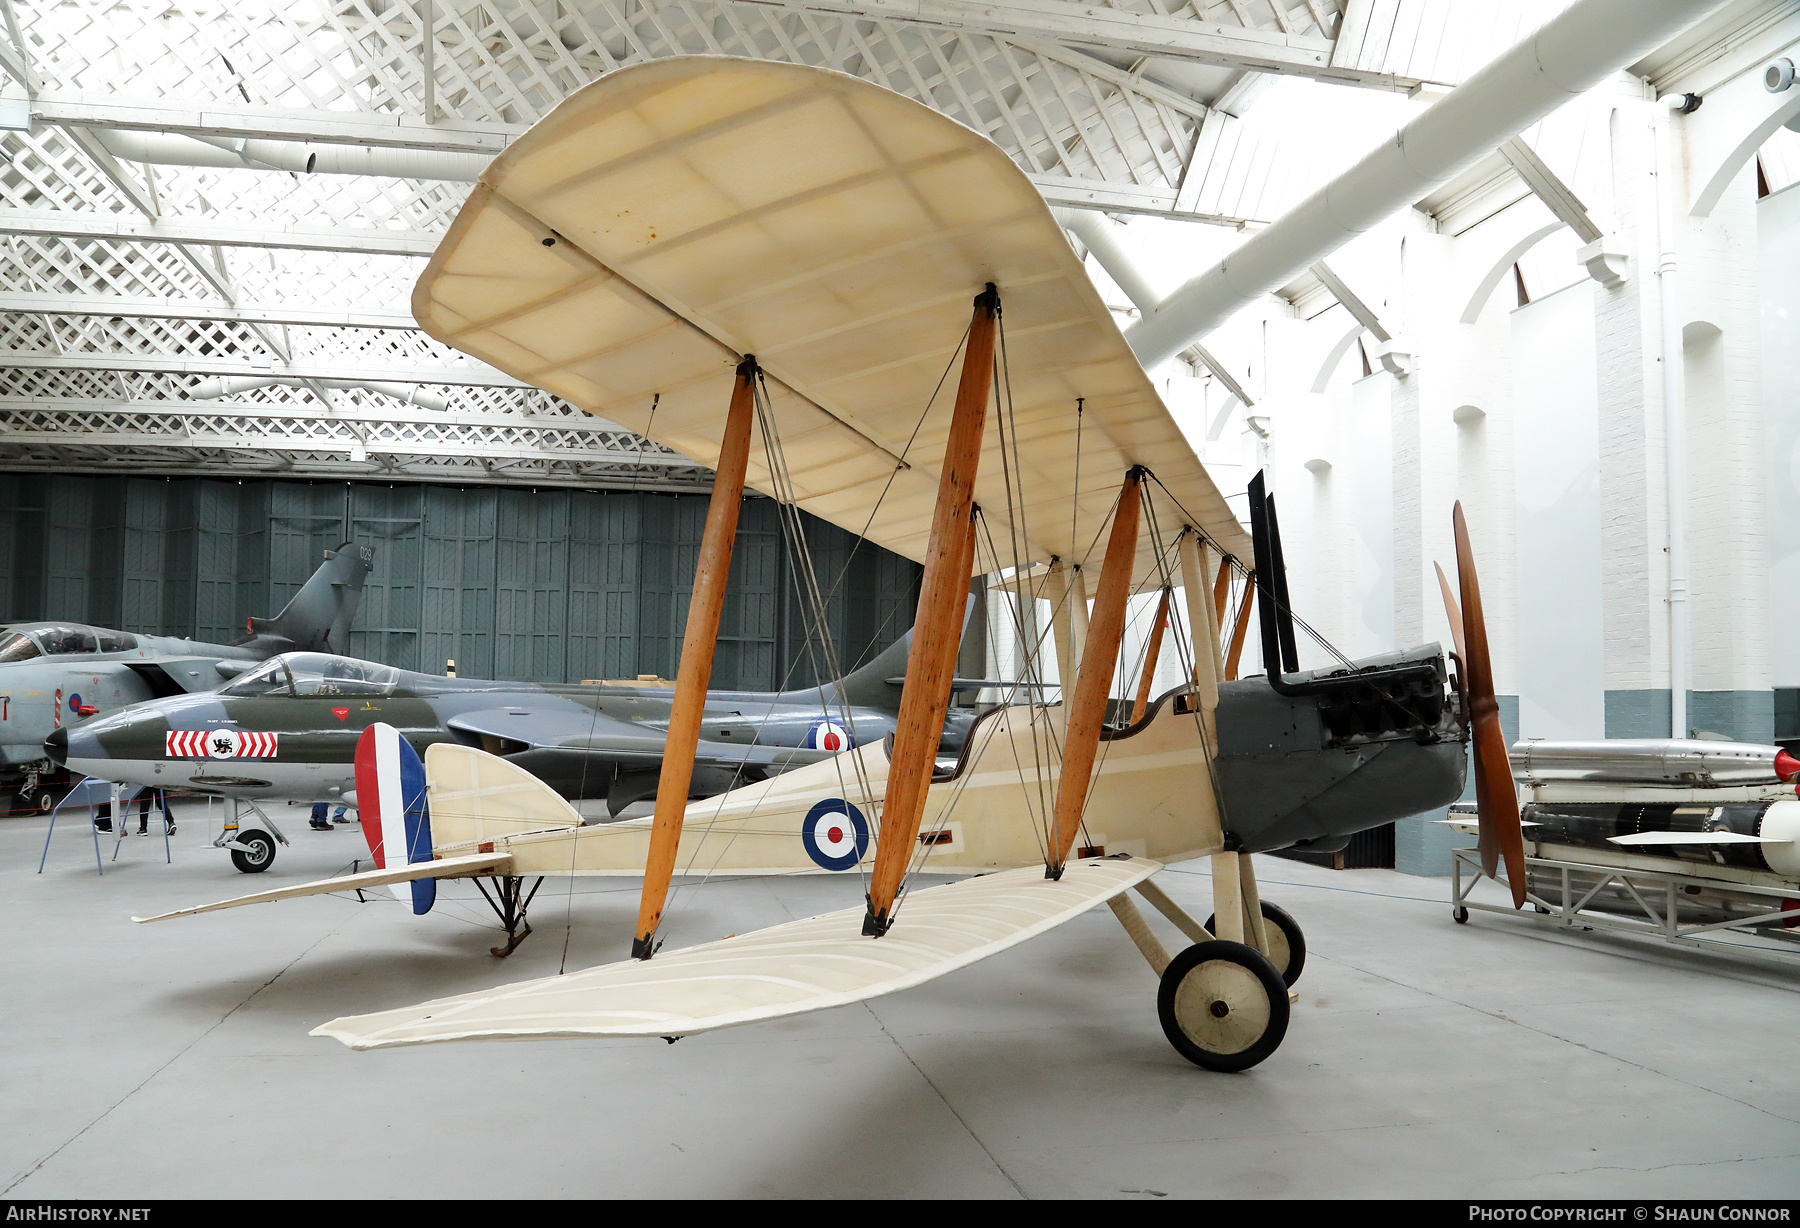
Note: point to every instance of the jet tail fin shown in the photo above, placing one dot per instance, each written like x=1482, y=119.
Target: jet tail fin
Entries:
x=868, y=685
x=319, y=616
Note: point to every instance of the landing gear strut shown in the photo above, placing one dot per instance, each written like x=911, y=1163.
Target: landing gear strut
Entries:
x=508, y=905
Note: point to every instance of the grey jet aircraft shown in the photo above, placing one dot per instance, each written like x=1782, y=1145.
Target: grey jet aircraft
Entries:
x=56, y=673
x=289, y=730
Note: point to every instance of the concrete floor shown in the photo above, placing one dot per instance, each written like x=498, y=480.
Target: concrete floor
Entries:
x=1425, y=1059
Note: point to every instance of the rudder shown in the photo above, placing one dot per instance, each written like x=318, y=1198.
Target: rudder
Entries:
x=396, y=817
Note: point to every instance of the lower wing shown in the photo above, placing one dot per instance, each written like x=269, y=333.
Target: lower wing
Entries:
x=790, y=969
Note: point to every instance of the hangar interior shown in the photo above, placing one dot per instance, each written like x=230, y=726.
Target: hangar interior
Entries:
x=215, y=214
x=547, y=585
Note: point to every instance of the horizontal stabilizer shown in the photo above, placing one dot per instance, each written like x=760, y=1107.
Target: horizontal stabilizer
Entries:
x=448, y=867
x=1692, y=837
x=785, y=970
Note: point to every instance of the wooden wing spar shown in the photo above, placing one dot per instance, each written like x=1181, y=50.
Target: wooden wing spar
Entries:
x=675, y=216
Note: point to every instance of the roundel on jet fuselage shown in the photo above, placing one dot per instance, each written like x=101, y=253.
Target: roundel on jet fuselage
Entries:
x=828, y=735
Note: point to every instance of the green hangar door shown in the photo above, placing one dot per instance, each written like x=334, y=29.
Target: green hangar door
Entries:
x=547, y=584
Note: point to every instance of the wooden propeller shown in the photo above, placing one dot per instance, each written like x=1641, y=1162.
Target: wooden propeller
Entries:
x=1496, y=798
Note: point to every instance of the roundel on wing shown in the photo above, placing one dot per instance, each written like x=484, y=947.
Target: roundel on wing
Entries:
x=828, y=735
x=835, y=834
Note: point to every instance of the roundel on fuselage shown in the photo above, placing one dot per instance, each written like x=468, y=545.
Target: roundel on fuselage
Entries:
x=828, y=735
x=835, y=834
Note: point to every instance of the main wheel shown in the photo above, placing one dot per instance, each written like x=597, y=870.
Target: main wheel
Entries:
x=1287, y=945
x=1222, y=1005
x=260, y=855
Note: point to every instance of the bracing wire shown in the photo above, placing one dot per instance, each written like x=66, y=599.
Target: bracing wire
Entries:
x=794, y=530
x=1312, y=633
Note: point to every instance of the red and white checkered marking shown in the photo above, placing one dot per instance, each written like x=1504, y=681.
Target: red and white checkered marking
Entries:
x=219, y=744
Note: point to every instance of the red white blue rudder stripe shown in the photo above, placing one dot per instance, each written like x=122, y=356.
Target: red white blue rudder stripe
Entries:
x=390, y=796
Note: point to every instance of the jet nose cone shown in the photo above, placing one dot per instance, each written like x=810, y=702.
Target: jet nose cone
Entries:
x=57, y=747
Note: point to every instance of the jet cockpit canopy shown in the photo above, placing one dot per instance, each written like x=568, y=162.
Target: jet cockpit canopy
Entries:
x=23, y=641
x=315, y=673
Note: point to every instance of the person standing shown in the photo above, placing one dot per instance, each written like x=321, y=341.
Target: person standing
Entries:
x=162, y=802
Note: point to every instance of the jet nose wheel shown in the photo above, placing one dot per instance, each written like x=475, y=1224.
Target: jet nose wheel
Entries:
x=1223, y=1005
x=258, y=853
x=1287, y=945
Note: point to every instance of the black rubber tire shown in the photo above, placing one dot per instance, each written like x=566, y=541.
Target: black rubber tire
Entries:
x=1460, y=915
x=1284, y=921
x=1223, y=967
x=262, y=859
x=46, y=801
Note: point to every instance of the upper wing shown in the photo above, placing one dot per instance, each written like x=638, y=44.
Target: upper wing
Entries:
x=446, y=867
x=789, y=969
x=674, y=215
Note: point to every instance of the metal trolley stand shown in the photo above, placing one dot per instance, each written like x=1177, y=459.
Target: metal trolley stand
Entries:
x=1748, y=911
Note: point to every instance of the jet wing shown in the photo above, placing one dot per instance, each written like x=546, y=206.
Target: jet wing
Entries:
x=790, y=969
x=447, y=867
x=622, y=741
x=176, y=675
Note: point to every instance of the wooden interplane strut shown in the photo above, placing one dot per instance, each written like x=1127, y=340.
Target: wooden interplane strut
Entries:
x=1240, y=630
x=1099, y=657
x=1147, y=678
x=937, y=631
x=697, y=645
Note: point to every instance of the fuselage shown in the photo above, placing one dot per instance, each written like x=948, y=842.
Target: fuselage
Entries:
x=290, y=728
x=54, y=674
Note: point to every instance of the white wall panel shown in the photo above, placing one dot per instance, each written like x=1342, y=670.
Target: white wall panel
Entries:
x=1778, y=234
x=1372, y=484
x=1557, y=485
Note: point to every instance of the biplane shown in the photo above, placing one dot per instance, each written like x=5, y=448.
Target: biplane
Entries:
x=839, y=297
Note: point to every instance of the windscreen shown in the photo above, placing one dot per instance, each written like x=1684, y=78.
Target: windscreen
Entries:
x=16, y=647
x=270, y=678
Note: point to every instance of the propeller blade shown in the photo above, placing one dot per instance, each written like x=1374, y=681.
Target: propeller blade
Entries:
x=1454, y=614
x=1496, y=798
